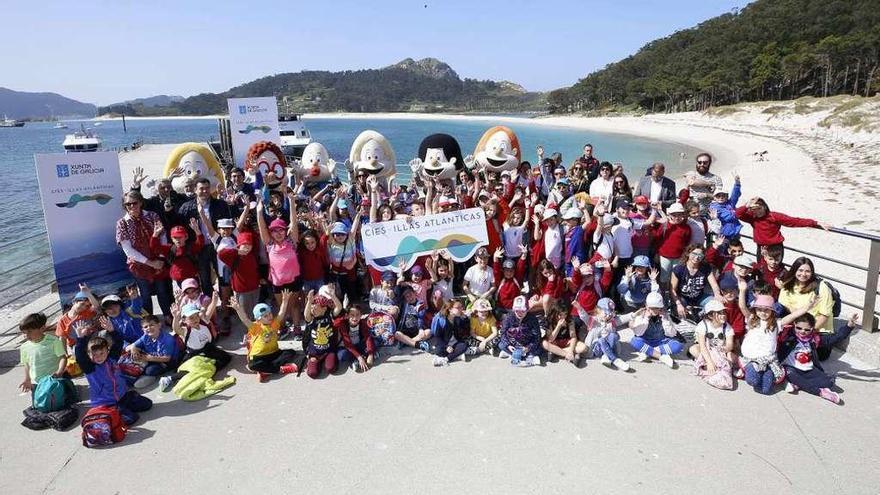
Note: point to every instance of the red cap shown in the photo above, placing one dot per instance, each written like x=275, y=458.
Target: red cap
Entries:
x=179, y=232
x=278, y=224
x=640, y=200
x=246, y=238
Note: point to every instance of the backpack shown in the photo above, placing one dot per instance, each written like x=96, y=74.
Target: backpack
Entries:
x=50, y=394
x=835, y=296
x=59, y=420
x=102, y=426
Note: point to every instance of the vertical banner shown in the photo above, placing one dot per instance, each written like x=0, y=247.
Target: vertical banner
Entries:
x=82, y=200
x=252, y=120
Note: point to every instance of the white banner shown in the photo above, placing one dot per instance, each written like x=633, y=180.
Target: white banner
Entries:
x=252, y=120
x=458, y=232
x=82, y=200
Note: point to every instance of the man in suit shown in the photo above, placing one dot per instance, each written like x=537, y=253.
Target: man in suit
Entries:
x=214, y=210
x=657, y=187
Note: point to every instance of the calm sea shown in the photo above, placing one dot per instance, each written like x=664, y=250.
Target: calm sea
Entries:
x=26, y=265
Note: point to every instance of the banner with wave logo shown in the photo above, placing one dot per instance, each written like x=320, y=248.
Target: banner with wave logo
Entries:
x=82, y=200
x=460, y=233
x=252, y=120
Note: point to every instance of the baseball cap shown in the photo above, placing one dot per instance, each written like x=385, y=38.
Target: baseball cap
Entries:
x=261, y=309
x=563, y=180
x=675, y=208
x=727, y=282
x=193, y=308
x=572, y=213
x=342, y=204
x=623, y=203
x=549, y=213
x=225, y=223
x=189, y=283
x=606, y=305
x=80, y=296
x=508, y=265
x=482, y=305
x=654, y=300
x=112, y=298
x=641, y=200
x=278, y=224
x=607, y=220
x=389, y=275
x=743, y=261
x=339, y=228
x=417, y=269
x=245, y=238
x=642, y=261
x=178, y=232
x=713, y=305
x=763, y=301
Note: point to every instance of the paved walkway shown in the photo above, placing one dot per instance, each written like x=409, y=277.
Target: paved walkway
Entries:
x=476, y=427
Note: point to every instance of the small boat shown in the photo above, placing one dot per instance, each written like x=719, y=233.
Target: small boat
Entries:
x=60, y=125
x=82, y=140
x=7, y=122
x=96, y=124
x=294, y=135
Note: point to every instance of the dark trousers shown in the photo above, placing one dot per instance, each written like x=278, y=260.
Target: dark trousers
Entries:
x=809, y=381
x=327, y=361
x=271, y=363
x=131, y=404
x=207, y=263
x=159, y=288
x=440, y=349
x=343, y=355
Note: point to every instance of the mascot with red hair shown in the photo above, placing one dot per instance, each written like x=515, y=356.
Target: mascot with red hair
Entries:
x=265, y=162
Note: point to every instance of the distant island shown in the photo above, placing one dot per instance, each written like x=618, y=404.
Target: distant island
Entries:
x=426, y=85
x=40, y=106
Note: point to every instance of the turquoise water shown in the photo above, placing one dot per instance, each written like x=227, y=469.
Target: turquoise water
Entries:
x=21, y=214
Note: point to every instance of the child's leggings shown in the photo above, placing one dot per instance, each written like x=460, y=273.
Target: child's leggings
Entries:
x=271, y=363
x=662, y=346
x=809, y=381
x=607, y=345
x=316, y=362
x=762, y=381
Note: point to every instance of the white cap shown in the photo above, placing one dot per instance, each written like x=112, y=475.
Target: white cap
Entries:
x=675, y=208
x=713, y=305
x=111, y=298
x=549, y=213
x=743, y=261
x=654, y=300
x=572, y=213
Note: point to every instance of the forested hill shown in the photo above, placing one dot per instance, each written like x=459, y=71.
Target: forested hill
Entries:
x=771, y=49
x=426, y=85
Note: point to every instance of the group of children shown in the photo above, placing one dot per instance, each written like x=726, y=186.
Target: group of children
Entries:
x=563, y=274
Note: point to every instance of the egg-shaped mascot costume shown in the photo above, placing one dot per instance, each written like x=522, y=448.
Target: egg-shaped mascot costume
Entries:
x=193, y=161
x=265, y=162
x=315, y=166
x=497, y=151
x=439, y=158
x=373, y=154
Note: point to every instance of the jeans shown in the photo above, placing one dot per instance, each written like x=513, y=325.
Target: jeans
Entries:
x=161, y=289
x=662, y=346
x=761, y=381
x=207, y=263
x=131, y=404
x=343, y=355
x=607, y=345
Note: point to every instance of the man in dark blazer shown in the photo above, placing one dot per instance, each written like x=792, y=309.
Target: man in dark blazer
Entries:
x=215, y=209
x=657, y=187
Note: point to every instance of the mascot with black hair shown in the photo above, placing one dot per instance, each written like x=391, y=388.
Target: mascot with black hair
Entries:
x=439, y=158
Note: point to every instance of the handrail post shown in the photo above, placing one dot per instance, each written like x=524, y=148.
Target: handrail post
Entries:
x=868, y=320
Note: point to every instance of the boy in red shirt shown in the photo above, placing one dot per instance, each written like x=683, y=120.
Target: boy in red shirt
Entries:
x=508, y=275
x=182, y=255
x=770, y=267
x=672, y=235
x=245, y=280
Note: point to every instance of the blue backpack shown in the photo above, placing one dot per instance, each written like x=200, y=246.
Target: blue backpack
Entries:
x=50, y=394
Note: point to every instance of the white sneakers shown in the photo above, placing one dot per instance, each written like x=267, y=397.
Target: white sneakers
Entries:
x=605, y=360
x=641, y=357
x=504, y=354
x=667, y=360
x=471, y=351
x=535, y=361
x=790, y=388
x=165, y=383
x=441, y=361
x=620, y=364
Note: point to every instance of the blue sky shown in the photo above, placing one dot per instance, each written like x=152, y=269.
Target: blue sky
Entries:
x=106, y=51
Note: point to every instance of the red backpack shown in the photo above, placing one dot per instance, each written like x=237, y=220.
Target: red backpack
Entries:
x=102, y=426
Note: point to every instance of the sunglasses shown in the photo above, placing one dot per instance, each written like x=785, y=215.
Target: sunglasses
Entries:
x=618, y=182
x=699, y=256
x=131, y=203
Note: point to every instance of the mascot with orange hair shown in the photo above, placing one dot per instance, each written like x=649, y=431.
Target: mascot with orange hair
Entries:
x=497, y=151
x=265, y=162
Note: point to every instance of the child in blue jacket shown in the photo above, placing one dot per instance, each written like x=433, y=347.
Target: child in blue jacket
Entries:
x=126, y=317
x=723, y=209
x=97, y=357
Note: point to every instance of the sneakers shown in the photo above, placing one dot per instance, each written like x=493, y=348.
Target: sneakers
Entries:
x=145, y=381
x=425, y=346
x=287, y=369
x=605, y=360
x=471, y=351
x=620, y=364
x=791, y=388
x=829, y=395
x=354, y=366
x=641, y=357
x=534, y=361
x=441, y=361
x=263, y=377
x=667, y=360
x=503, y=354
x=165, y=383
x=739, y=374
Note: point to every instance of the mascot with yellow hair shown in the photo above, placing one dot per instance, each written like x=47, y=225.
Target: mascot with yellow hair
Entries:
x=497, y=151
x=373, y=154
x=193, y=161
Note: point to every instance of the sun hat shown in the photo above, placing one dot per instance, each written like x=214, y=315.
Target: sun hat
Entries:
x=713, y=305
x=675, y=208
x=178, y=232
x=193, y=308
x=606, y=305
x=482, y=305
x=245, y=238
x=654, y=300
x=549, y=213
x=189, y=283
x=278, y=224
x=225, y=223
x=112, y=298
x=572, y=214
x=339, y=228
x=260, y=310
x=763, y=301
x=641, y=261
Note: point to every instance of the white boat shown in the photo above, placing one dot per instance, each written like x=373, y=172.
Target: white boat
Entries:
x=60, y=125
x=96, y=124
x=7, y=122
x=294, y=135
x=82, y=140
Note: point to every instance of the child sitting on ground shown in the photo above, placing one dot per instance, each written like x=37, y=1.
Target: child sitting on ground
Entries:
x=97, y=357
x=126, y=318
x=197, y=337
x=602, y=339
x=483, y=327
x=561, y=338
x=797, y=352
x=357, y=341
x=520, y=336
x=264, y=356
x=41, y=355
x=157, y=348
x=411, y=329
x=638, y=281
x=382, y=298
x=713, y=352
x=320, y=339
x=450, y=330
x=654, y=332
x=419, y=283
